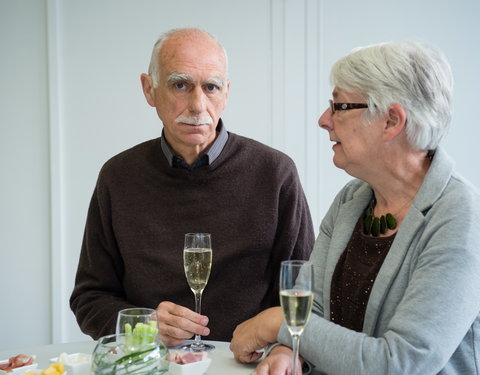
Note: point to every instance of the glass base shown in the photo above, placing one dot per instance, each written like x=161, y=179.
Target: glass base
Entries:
x=197, y=347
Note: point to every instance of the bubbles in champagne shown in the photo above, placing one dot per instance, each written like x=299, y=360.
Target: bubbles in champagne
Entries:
x=297, y=306
x=197, y=264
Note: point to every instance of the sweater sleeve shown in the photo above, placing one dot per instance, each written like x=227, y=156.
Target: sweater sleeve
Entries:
x=294, y=238
x=98, y=294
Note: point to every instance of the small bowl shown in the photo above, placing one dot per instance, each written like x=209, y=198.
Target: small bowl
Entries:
x=194, y=368
x=75, y=363
x=18, y=370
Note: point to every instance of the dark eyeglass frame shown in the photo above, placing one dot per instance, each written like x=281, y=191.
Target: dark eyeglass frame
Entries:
x=345, y=106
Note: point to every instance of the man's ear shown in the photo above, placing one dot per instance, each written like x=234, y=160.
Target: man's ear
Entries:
x=147, y=86
x=396, y=121
x=227, y=91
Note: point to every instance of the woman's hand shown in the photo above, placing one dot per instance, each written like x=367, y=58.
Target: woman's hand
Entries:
x=177, y=323
x=255, y=334
x=278, y=362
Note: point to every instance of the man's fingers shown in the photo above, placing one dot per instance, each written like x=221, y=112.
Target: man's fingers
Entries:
x=175, y=332
x=173, y=336
x=183, y=330
x=168, y=310
x=189, y=325
x=177, y=323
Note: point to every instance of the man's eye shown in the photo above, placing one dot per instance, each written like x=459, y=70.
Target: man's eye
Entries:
x=212, y=87
x=180, y=85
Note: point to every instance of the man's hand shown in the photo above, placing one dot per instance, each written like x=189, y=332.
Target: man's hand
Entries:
x=255, y=334
x=278, y=362
x=177, y=323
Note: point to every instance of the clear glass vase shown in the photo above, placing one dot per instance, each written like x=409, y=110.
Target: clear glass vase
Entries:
x=129, y=354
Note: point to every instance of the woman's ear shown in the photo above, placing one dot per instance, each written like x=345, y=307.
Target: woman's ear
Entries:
x=396, y=121
x=148, y=91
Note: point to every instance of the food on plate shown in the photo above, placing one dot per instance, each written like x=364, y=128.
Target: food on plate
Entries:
x=75, y=363
x=56, y=368
x=184, y=358
x=17, y=361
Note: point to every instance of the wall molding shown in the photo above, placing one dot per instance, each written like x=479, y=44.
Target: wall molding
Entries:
x=57, y=253
x=295, y=41
x=277, y=53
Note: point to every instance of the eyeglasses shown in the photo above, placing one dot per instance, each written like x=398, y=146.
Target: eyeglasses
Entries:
x=345, y=106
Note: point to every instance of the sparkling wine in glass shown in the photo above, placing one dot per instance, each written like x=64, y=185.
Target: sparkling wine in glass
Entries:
x=296, y=298
x=197, y=262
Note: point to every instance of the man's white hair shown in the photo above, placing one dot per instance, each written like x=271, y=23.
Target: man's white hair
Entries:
x=154, y=67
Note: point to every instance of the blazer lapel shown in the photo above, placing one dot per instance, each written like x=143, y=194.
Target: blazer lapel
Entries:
x=347, y=217
x=431, y=189
x=391, y=265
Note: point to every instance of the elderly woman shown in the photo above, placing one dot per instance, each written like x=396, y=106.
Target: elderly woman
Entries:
x=397, y=277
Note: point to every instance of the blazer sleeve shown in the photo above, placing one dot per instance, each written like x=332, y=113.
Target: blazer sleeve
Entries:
x=438, y=291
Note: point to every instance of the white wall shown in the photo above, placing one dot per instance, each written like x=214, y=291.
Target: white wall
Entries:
x=25, y=293
x=71, y=98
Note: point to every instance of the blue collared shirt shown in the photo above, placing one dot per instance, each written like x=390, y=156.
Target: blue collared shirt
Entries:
x=176, y=161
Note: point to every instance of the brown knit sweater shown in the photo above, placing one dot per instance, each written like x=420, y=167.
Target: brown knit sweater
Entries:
x=250, y=200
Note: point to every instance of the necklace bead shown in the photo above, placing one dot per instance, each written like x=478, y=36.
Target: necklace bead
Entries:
x=374, y=225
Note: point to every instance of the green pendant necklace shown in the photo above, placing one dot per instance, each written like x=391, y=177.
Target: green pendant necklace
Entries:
x=375, y=225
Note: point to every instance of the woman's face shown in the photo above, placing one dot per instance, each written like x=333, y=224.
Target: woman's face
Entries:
x=358, y=143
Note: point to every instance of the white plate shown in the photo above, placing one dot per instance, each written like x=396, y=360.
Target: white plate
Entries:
x=75, y=363
x=18, y=370
x=194, y=368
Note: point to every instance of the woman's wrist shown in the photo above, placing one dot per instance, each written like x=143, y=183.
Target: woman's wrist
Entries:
x=272, y=320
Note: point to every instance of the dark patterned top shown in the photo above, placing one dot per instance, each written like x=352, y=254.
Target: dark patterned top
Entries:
x=354, y=276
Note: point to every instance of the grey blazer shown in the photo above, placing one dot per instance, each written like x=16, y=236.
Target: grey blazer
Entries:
x=422, y=316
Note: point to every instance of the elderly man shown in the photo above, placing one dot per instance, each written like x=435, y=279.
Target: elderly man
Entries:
x=196, y=177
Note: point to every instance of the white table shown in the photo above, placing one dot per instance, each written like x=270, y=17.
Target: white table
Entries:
x=222, y=358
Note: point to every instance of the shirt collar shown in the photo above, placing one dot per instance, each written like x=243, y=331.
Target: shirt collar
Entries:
x=211, y=154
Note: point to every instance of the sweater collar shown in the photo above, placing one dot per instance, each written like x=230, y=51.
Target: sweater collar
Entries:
x=212, y=153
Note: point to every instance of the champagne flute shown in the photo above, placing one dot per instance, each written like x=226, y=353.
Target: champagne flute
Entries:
x=197, y=262
x=296, y=298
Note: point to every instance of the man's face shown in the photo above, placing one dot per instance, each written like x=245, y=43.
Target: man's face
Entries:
x=192, y=91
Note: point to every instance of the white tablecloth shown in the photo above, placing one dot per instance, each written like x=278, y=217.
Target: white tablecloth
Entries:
x=222, y=358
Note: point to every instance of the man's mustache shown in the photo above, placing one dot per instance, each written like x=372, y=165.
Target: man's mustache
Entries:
x=194, y=120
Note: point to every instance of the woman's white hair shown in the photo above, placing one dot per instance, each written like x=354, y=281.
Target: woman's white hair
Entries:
x=154, y=67
x=416, y=76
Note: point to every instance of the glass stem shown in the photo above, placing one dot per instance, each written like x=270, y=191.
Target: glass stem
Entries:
x=198, y=309
x=295, y=345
